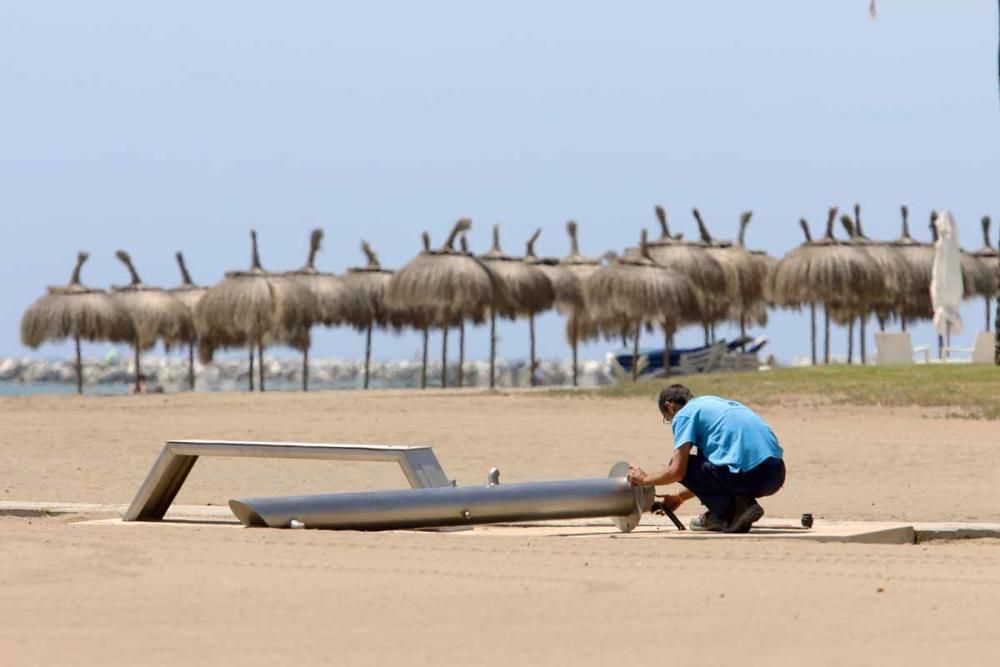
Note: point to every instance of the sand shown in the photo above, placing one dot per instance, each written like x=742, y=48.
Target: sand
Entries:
x=76, y=593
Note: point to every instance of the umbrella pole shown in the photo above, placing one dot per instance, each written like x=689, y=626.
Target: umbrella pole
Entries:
x=79, y=367
x=493, y=348
x=635, y=353
x=191, y=366
x=368, y=354
x=423, y=366
x=135, y=343
x=707, y=341
x=902, y=322
x=668, y=338
x=260, y=365
x=444, y=357
x=305, y=369
x=850, y=341
x=743, y=326
x=987, y=313
x=531, y=328
x=251, y=368
x=812, y=330
x=826, y=341
x=574, y=343
x=461, y=353
x=861, y=336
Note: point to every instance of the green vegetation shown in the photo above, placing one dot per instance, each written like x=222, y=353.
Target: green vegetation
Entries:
x=961, y=390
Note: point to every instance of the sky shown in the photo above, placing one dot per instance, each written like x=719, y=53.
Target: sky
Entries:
x=182, y=125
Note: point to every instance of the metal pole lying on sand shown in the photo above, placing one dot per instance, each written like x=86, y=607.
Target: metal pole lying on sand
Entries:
x=456, y=506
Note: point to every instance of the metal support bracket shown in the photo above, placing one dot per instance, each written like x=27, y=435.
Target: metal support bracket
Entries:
x=178, y=457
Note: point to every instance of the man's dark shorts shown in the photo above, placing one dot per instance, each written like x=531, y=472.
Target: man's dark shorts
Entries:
x=717, y=486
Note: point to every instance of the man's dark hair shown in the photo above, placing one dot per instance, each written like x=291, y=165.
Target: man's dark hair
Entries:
x=677, y=394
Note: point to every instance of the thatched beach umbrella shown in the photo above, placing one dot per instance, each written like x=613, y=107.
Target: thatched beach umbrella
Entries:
x=442, y=286
x=634, y=290
x=920, y=258
x=989, y=259
x=746, y=276
x=699, y=264
x=76, y=312
x=566, y=284
x=254, y=308
x=370, y=282
x=826, y=271
x=189, y=294
x=336, y=303
x=528, y=291
x=893, y=268
x=156, y=314
x=577, y=325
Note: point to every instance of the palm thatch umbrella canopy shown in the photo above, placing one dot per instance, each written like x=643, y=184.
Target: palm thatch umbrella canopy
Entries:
x=439, y=287
x=756, y=313
x=746, y=276
x=566, y=284
x=528, y=290
x=371, y=282
x=336, y=303
x=156, y=314
x=699, y=264
x=895, y=272
x=578, y=324
x=254, y=308
x=826, y=271
x=920, y=258
x=632, y=291
x=189, y=294
x=76, y=312
x=989, y=258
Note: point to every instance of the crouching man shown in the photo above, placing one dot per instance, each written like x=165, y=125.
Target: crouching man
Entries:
x=738, y=460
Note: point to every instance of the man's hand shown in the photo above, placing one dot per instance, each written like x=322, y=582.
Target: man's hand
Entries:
x=636, y=476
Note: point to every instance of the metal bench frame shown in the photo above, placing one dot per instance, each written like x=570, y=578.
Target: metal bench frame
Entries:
x=178, y=457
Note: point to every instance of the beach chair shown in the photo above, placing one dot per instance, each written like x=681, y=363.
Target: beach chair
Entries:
x=897, y=348
x=981, y=351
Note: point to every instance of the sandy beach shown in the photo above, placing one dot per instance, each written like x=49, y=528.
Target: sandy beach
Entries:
x=207, y=594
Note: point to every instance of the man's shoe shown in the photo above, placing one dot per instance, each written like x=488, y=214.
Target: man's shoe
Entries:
x=745, y=512
x=707, y=522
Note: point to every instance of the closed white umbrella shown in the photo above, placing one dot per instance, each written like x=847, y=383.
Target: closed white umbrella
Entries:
x=946, y=278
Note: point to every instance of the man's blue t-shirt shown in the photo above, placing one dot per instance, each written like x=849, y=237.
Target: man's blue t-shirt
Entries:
x=727, y=433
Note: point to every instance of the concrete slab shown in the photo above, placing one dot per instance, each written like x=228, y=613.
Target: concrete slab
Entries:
x=652, y=527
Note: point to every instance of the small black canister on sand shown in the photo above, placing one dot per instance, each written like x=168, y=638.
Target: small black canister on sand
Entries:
x=807, y=520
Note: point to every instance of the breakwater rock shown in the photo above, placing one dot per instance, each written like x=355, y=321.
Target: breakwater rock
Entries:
x=172, y=373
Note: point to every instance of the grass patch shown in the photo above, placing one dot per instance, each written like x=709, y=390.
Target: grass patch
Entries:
x=965, y=390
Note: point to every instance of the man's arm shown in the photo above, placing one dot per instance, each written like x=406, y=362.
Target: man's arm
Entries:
x=674, y=472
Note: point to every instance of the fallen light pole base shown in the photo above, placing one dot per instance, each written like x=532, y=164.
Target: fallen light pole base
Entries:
x=612, y=497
